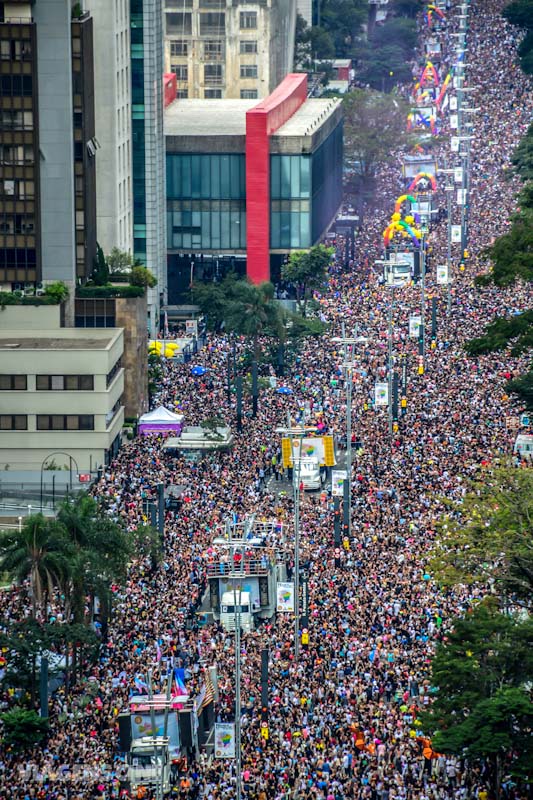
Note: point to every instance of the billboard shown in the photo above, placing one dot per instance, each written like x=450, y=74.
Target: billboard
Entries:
x=381, y=394
x=224, y=740
x=338, y=476
x=285, y=596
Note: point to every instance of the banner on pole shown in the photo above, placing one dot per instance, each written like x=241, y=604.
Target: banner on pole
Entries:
x=415, y=322
x=453, y=103
x=224, y=740
x=456, y=234
x=285, y=596
x=461, y=197
x=454, y=141
x=458, y=174
x=338, y=476
x=381, y=394
x=454, y=121
x=442, y=274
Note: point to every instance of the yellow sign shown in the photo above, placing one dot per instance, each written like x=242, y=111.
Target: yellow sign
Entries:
x=264, y=731
x=319, y=447
x=305, y=638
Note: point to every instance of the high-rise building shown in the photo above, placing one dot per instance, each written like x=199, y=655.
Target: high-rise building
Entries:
x=227, y=48
x=148, y=146
x=112, y=80
x=47, y=144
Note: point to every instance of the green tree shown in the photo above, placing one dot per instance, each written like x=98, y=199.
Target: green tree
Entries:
x=488, y=537
x=119, y=261
x=38, y=551
x=22, y=729
x=99, y=554
x=385, y=66
x=407, y=8
x=343, y=19
x=481, y=707
x=142, y=276
x=321, y=44
x=520, y=13
x=57, y=290
x=306, y=270
x=252, y=312
x=100, y=273
x=522, y=158
x=374, y=127
x=397, y=31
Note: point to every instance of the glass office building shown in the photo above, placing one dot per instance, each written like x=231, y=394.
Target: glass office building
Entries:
x=207, y=174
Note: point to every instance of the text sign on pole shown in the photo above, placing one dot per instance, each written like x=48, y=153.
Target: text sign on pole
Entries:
x=285, y=596
x=414, y=326
x=381, y=394
x=442, y=274
x=338, y=476
x=461, y=197
x=224, y=740
x=456, y=234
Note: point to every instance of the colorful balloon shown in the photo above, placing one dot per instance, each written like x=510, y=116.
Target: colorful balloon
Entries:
x=421, y=175
x=401, y=200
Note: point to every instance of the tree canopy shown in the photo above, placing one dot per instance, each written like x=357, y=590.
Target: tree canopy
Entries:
x=374, y=126
x=488, y=537
x=520, y=13
x=306, y=270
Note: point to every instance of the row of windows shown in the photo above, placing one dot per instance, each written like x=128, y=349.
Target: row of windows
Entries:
x=65, y=422
x=211, y=23
x=15, y=49
x=15, y=383
x=11, y=119
x=68, y=383
x=112, y=372
x=16, y=154
x=219, y=225
x=290, y=177
x=19, y=224
x=213, y=48
x=17, y=189
x=13, y=422
x=209, y=177
x=21, y=257
x=16, y=85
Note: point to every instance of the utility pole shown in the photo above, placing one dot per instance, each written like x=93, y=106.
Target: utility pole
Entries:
x=348, y=344
x=390, y=360
x=237, y=596
x=422, y=334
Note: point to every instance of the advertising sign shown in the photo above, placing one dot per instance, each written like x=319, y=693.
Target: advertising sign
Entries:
x=415, y=322
x=285, y=596
x=224, y=740
x=338, y=476
x=381, y=394
x=442, y=274
x=456, y=234
x=191, y=327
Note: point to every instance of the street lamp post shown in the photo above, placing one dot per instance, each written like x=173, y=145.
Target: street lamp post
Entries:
x=348, y=346
x=237, y=596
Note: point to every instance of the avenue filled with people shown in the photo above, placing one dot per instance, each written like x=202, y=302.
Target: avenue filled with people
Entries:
x=343, y=716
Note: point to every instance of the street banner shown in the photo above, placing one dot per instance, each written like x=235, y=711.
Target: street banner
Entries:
x=454, y=142
x=453, y=103
x=191, y=327
x=381, y=394
x=285, y=596
x=442, y=274
x=415, y=322
x=224, y=740
x=338, y=476
x=456, y=234
x=461, y=197
x=458, y=174
x=454, y=121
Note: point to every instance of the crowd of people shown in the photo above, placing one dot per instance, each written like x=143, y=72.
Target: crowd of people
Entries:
x=343, y=717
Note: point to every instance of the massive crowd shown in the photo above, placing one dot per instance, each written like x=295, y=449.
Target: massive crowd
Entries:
x=343, y=718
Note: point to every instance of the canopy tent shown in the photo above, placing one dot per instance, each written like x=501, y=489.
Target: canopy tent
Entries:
x=161, y=420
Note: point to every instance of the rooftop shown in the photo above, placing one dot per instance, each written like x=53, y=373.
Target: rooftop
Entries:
x=207, y=117
x=309, y=117
x=62, y=339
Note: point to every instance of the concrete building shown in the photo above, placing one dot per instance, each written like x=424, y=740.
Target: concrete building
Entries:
x=249, y=182
x=47, y=145
x=148, y=146
x=61, y=391
x=229, y=49
x=112, y=81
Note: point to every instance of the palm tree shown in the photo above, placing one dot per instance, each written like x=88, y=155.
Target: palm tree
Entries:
x=38, y=551
x=252, y=312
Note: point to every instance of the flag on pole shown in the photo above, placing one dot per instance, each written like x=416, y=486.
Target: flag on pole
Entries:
x=179, y=683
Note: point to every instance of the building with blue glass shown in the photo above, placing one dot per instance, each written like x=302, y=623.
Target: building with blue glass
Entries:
x=148, y=146
x=243, y=197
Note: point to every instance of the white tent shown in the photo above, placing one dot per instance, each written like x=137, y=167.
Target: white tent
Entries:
x=160, y=419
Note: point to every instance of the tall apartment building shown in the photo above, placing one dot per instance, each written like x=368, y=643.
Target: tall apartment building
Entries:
x=112, y=79
x=148, y=147
x=47, y=144
x=229, y=48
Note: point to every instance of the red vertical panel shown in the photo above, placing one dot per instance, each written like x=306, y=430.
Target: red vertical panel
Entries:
x=261, y=122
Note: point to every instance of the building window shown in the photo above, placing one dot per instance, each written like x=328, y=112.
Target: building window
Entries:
x=248, y=46
x=67, y=383
x=248, y=71
x=180, y=24
x=112, y=372
x=178, y=48
x=181, y=71
x=248, y=94
x=16, y=85
x=248, y=20
x=182, y=94
x=213, y=94
x=213, y=73
x=213, y=49
x=13, y=383
x=65, y=422
x=13, y=422
x=212, y=23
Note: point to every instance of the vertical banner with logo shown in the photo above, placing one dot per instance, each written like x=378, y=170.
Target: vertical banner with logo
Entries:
x=461, y=197
x=454, y=121
x=458, y=174
x=415, y=322
x=453, y=103
x=381, y=394
x=442, y=274
x=224, y=740
x=285, y=596
x=454, y=142
x=338, y=476
x=456, y=234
